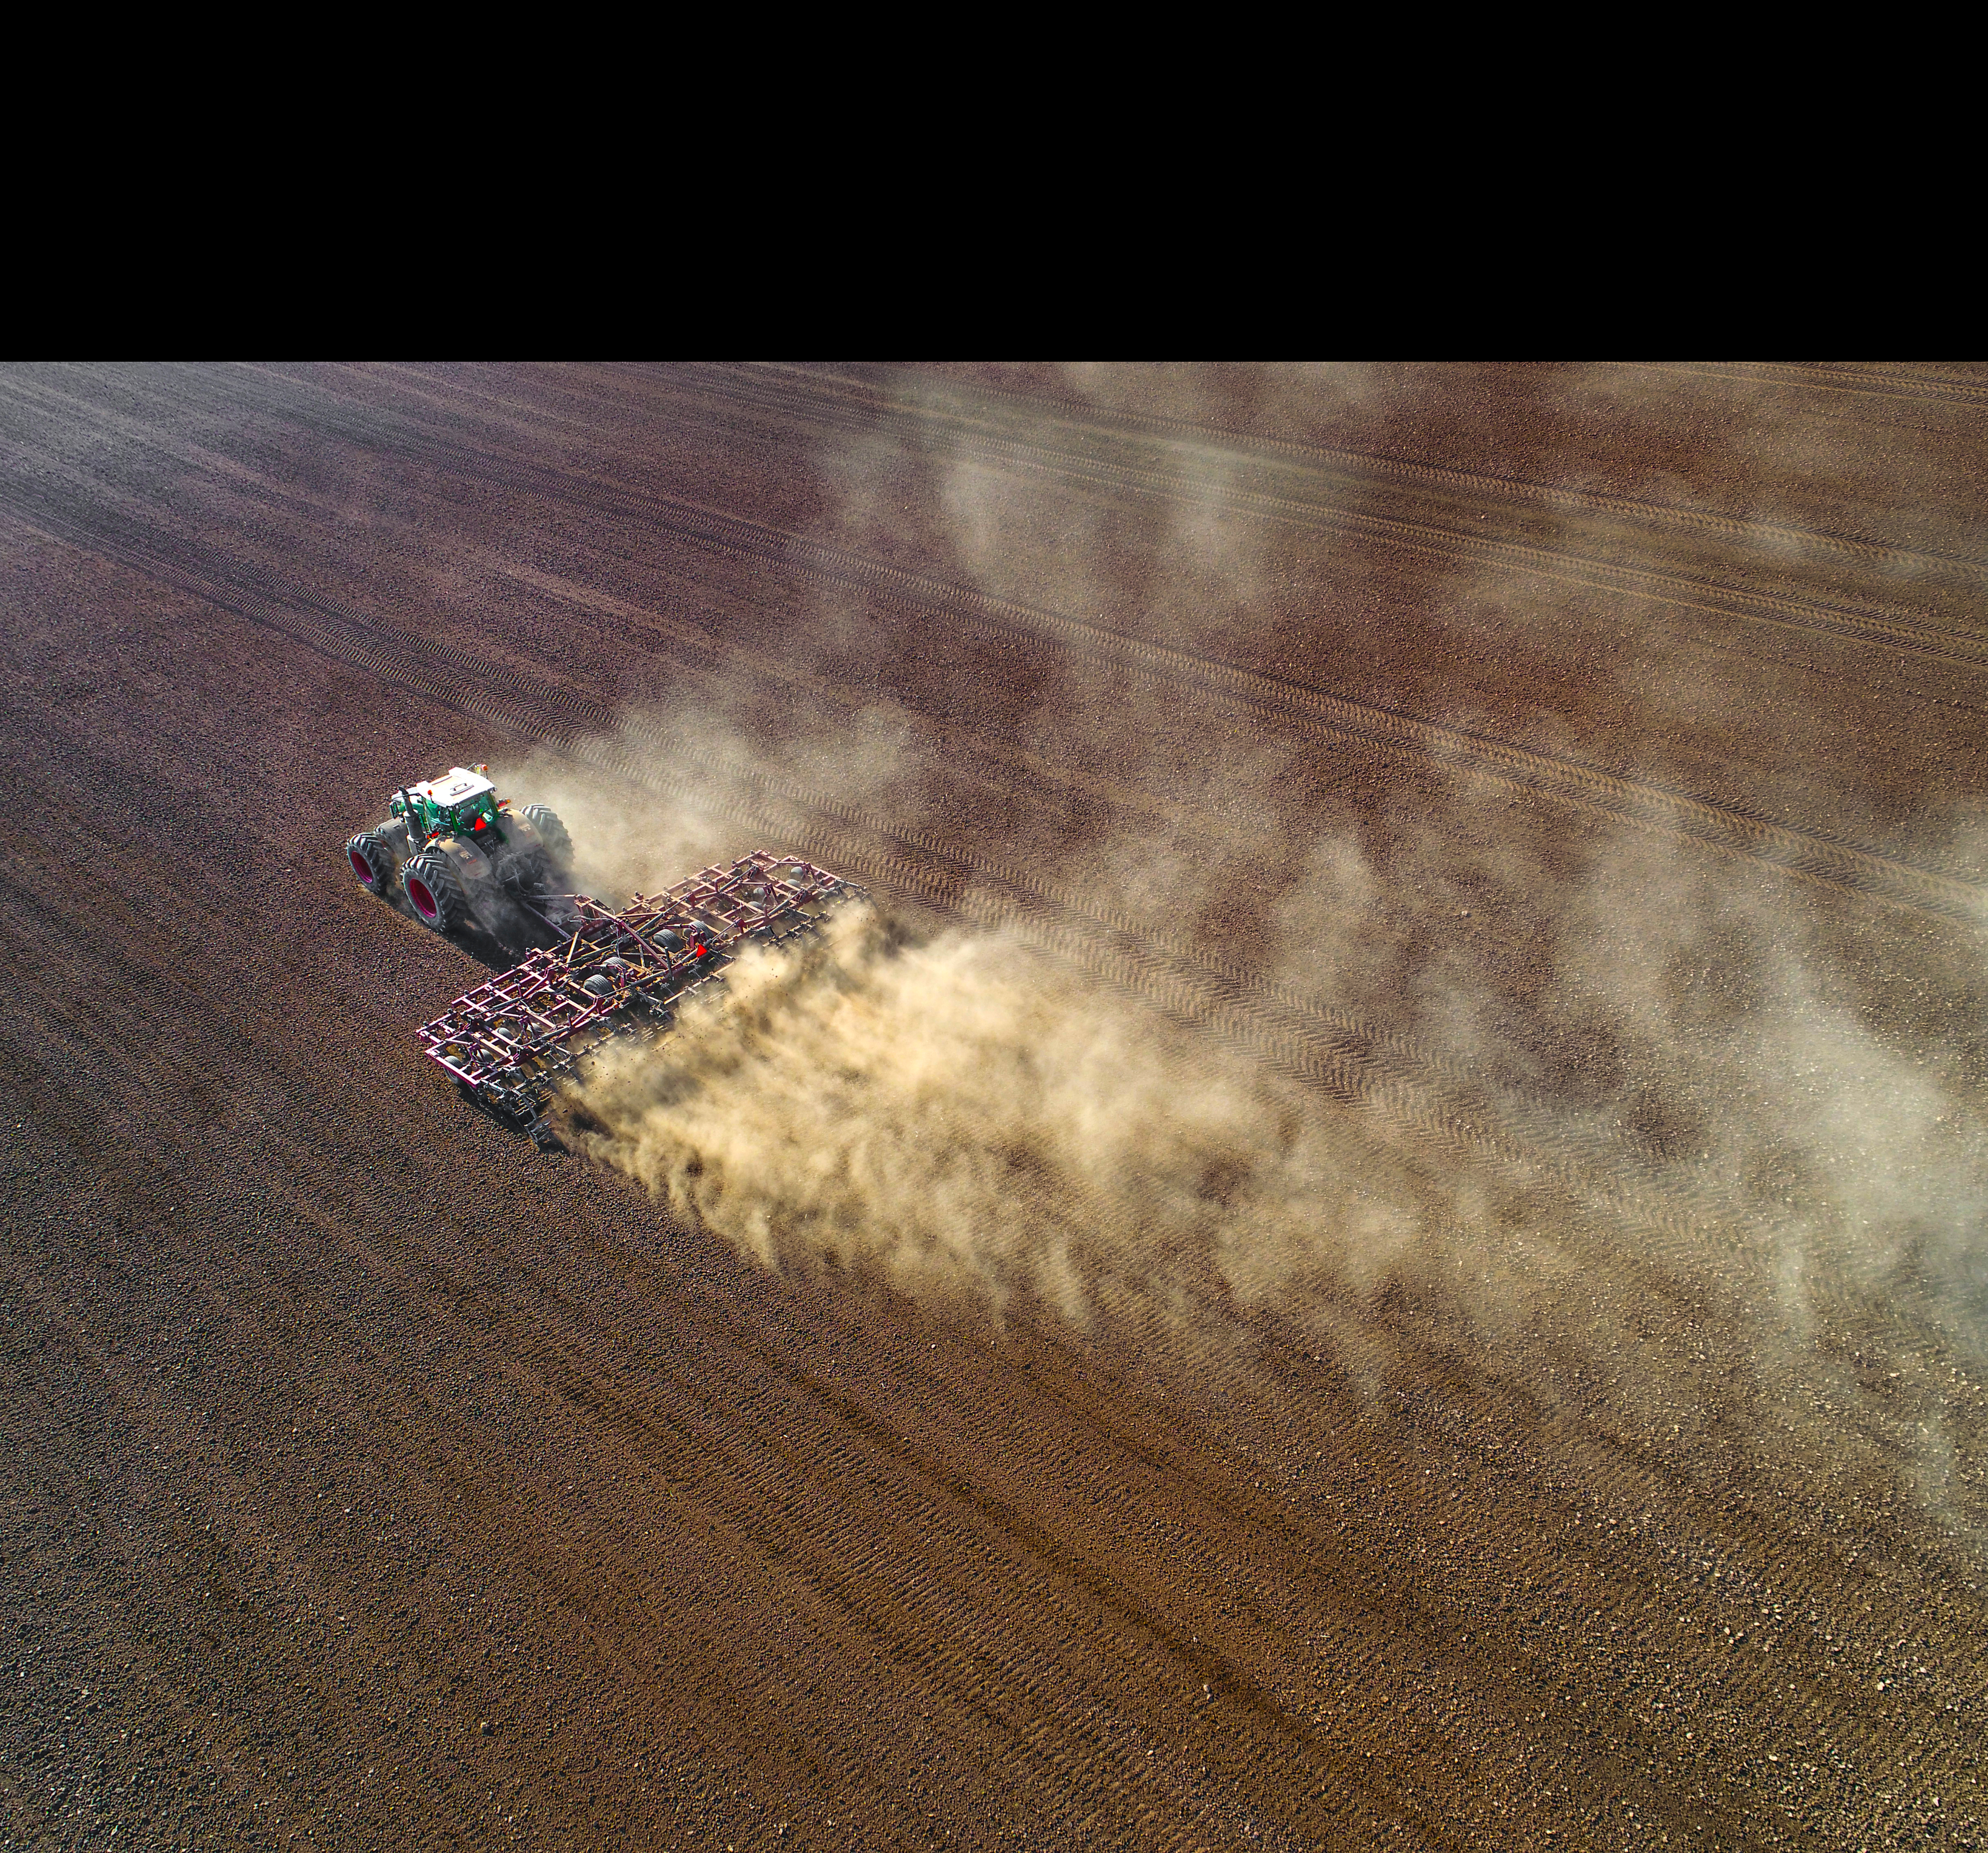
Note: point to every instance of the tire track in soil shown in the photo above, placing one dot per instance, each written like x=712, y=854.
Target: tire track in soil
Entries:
x=557, y=1368
x=1820, y=857
x=1184, y=440
x=1287, y=696
x=1883, y=382
x=1421, y=539
x=1330, y=1049
x=1316, y=711
x=1363, y=466
x=1813, y=855
x=1683, y=1219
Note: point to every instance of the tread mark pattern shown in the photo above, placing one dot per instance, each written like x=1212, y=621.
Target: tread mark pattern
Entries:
x=1430, y=540
x=1349, y=1061
x=1955, y=568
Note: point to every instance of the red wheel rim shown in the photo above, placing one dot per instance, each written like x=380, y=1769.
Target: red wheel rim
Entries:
x=424, y=903
x=362, y=868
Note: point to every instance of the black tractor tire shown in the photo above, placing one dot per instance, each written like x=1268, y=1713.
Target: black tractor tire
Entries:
x=435, y=892
x=372, y=862
x=552, y=834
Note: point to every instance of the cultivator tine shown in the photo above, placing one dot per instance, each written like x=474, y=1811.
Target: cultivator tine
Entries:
x=507, y=1039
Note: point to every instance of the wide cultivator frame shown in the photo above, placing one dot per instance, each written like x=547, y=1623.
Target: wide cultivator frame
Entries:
x=618, y=974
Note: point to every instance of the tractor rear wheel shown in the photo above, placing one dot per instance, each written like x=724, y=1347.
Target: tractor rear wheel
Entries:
x=552, y=834
x=435, y=892
x=371, y=861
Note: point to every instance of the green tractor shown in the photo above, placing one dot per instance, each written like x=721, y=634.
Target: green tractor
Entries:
x=458, y=851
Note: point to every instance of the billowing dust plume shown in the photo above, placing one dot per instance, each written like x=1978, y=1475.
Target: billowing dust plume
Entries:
x=997, y=1133
x=1789, y=1093
x=956, y=1114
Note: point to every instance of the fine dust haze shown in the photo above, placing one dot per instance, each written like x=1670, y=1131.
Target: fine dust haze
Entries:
x=1787, y=1095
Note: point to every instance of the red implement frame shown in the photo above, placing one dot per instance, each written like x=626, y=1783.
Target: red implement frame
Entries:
x=617, y=975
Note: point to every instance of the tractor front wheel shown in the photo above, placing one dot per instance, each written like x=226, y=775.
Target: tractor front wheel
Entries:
x=372, y=862
x=435, y=892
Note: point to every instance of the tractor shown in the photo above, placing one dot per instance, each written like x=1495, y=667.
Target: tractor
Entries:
x=458, y=851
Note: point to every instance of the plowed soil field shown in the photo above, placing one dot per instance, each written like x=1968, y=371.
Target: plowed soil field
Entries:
x=1505, y=1372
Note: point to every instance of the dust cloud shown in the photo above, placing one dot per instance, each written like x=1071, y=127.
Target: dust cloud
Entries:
x=1007, y=1135
x=1791, y=1100
x=967, y=1121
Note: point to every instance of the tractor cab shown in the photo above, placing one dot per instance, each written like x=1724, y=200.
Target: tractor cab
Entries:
x=462, y=803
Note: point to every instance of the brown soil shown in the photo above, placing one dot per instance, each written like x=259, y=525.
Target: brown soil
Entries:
x=374, y=1479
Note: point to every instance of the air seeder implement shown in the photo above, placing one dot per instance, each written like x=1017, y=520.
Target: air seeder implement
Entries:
x=456, y=852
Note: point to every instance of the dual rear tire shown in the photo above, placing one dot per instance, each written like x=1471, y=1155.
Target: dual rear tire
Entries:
x=372, y=862
x=432, y=888
x=435, y=892
x=552, y=834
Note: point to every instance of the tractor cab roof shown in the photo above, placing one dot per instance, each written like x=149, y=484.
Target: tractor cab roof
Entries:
x=459, y=786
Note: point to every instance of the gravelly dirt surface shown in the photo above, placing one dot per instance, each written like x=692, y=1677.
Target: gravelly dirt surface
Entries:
x=1569, y=782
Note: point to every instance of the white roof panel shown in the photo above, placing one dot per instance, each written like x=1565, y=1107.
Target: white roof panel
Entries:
x=458, y=786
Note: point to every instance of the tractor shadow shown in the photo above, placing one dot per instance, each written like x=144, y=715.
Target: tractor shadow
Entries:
x=507, y=937
x=509, y=934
